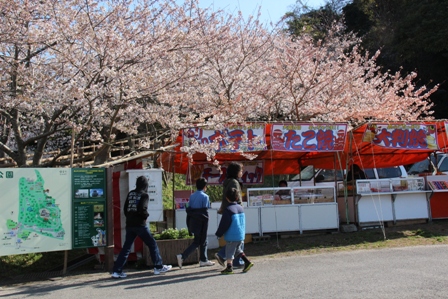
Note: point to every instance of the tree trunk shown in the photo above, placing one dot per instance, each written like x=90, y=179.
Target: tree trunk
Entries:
x=102, y=155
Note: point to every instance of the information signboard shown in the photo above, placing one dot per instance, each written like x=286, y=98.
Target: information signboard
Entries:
x=35, y=213
x=89, y=207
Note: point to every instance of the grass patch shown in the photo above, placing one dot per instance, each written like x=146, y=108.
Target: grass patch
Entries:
x=20, y=264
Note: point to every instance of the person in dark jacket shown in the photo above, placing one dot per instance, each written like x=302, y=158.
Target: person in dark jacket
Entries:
x=197, y=223
x=233, y=226
x=356, y=173
x=233, y=174
x=136, y=212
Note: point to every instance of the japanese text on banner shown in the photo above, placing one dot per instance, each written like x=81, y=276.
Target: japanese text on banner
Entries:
x=302, y=137
x=402, y=136
x=232, y=139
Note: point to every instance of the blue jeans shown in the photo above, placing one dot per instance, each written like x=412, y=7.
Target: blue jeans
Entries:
x=131, y=234
x=236, y=262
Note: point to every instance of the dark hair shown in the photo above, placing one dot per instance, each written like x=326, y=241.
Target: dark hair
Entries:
x=283, y=182
x=141, y=184
x=233, y=169
x=232, y=194
x=201, y=183
x=356, y=167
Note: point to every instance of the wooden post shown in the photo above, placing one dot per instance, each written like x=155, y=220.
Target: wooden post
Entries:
x=174, y=200
x=72, y=148
x=109, y=250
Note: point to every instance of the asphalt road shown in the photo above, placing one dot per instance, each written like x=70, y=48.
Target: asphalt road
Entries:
x=410, y=272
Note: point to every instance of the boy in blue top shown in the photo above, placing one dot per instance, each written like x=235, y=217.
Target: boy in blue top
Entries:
x=197, y=222
x=233, y=227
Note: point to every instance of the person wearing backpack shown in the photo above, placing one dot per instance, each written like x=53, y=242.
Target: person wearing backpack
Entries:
x=136, y=212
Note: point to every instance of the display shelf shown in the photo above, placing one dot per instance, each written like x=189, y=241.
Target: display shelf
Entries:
x=393, y=199
x=408, y=184
x=437, y=183
x=307, y=195
x=373, y=186
x=390, y=186
x=286, y=195
x=268, y=196
x=294, y=208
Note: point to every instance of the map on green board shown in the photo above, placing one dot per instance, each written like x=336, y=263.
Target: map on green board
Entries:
x=36, y=219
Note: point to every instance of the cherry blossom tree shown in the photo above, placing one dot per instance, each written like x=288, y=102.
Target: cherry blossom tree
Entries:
x=90, y=71
x=333, y=81
x=230, y=55
x=33, y=107
x=88, y=67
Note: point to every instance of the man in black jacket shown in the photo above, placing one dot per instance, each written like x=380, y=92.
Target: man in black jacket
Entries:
x=136, y=212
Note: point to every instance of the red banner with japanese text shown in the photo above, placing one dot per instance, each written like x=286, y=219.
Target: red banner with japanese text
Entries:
x=306, y=137
x=412, y=136
x=253, y=173
x=247, y=138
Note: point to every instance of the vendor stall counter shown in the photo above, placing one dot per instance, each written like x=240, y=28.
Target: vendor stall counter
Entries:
x=439, y=199
x=392, y=200
x=294, y=209
x=270, y=210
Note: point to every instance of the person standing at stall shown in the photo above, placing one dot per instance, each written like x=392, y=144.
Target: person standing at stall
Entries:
x=136, y=212
x=233, y=174
x=282, y=194
x=197, y=222
x=356, y=173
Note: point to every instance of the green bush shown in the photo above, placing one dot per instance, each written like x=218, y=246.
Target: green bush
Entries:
x=173, y=234
x=183, y=234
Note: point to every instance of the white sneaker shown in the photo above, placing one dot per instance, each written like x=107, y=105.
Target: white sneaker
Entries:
x=207, y=263
x=118, y=275
x=164, y=269
x=179, y=260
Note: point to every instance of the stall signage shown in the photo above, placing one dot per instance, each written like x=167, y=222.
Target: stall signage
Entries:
x=253, y=173
x=89, y=207
x=247, y=138
x=415, y=136
x=305, y=137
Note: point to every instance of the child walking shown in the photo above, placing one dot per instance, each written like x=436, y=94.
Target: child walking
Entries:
x=233, y=228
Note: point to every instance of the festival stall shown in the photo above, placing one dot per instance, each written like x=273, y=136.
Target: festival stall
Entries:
x=380, y=144
x=438, y=184
x=264, y=150
x=292, y=146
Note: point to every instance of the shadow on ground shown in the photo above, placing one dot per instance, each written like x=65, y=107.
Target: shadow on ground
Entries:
x=278, y=245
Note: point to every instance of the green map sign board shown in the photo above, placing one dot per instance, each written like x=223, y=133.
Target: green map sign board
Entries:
x=89, y=207
x=35, y=210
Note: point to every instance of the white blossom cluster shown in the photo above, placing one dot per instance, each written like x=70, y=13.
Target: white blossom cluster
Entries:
x=91, y=70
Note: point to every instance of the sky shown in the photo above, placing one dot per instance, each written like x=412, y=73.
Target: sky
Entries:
x=271, y=10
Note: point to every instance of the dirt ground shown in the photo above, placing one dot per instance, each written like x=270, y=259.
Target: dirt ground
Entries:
x=387, y=236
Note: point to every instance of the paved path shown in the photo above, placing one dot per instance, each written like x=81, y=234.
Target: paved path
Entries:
x=411, y=272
